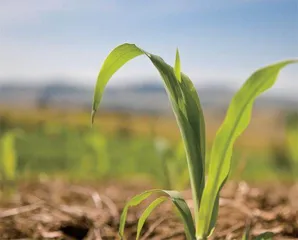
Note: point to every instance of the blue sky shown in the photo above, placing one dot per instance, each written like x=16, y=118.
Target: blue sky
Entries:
x=220, y=41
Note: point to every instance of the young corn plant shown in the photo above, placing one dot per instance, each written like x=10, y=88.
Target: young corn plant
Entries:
x=97, y=148
x=8, y=155
x=291, y=132
x=285, y=154
x=8, y=160
x=163, y=150
x=172, y=163
x=186, y=106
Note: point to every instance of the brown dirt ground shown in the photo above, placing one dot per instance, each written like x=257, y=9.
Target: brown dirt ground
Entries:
x=60, y=210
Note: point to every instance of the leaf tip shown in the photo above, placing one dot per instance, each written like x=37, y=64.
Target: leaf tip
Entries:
x=177, y=68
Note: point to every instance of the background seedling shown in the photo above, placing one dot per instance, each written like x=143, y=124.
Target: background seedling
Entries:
x=8, y=160
x=285, y=154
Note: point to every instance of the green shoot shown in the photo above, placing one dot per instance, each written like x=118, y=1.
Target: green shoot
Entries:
x=163, y=150
x=175, y=173
x=8, y=154
x=178, y=66
x=97, y=147
x=8, y=159
x=285, y=153
x=292, y=136
x=189, y=116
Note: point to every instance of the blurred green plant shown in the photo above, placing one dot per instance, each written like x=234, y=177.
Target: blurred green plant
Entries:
x=291, y=132
x=173, y=164
x=285, y=154
x=8, y=157
x=96, y=149
x=8, y=154
x=262, y=236
x=58, y=149
x=189, y=115
x=8, y=160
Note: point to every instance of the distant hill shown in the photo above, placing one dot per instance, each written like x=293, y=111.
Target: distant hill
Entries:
x=148, y=97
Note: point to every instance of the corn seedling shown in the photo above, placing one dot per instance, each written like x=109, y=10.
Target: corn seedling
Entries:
x=97, y=147
x=179, y=174
x=164, y=153
x=8, y=155
x=8, y=159
x=292, y=136
x=285, y=154
x=189, y=116
x=173, y=164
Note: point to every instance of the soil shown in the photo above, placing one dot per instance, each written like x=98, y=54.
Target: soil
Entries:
x=62, y=210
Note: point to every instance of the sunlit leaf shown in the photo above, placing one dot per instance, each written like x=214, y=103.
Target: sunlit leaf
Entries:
x=116, y=59
x=177, y=66
x=147, y=212
x=236, y=120
x=177, y=200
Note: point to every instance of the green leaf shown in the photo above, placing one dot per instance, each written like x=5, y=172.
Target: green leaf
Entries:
x=265, y=236
x=291, y=134
x=177, y=200
x=177, y=66
x=185, y=104
x=8, y=155
x=147, y=212
x=236, y=120
x=245, y=235
x=185, y=214
x=116, y=59
x=136, y=200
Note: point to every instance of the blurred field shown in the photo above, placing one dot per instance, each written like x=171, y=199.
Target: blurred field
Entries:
x=263, y=129
x=56, y=143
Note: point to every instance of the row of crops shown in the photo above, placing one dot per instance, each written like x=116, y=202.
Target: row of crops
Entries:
x=87, y=153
